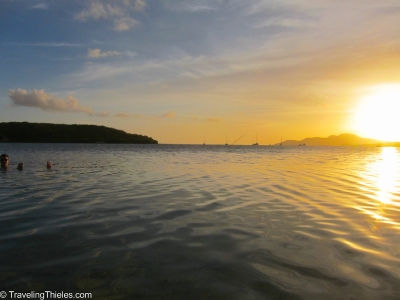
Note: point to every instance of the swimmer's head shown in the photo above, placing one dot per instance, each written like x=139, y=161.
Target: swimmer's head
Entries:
x=4, y=161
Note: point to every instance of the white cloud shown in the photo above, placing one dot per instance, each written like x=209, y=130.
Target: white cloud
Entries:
x=48, y=102
x=123, y=24
x=114, y=10
x=192, y=6
x=97, y=53
x=286, y=22
x=95, y=11
x=118, y=12
x=185, y=67
x=139, y=5
x=195, y=8
x=40, y=6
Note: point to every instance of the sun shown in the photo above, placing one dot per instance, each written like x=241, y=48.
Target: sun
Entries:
x=377, y=115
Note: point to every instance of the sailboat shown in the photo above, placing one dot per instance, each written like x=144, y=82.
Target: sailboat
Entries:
x=256, y=143
x=226, y=141
x=204, y=141
x=281, y=142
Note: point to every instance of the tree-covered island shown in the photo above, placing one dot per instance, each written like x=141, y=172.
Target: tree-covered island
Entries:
x=25, y=132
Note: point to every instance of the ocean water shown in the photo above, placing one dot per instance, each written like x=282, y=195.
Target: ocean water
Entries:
x=201, y=222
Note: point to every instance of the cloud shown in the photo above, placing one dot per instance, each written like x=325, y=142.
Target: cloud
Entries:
x=96, y=11
x=49, y=102
x=118, y=12
x=191, y=6
x=213, y=120
x=269, y=61
x=45, y=44
x=167, y=115
x=121, y=115
x=125, y=23
x=286, y=22
x=102, y=115
x=96, y=53
x=131, y=54
x=40, y=6
x=139, y=5
x=197, y=8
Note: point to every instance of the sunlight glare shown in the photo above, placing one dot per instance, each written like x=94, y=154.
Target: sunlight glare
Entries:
x=387, y=170
x=377, y=115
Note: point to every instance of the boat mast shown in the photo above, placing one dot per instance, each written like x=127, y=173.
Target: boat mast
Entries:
x=256, y=143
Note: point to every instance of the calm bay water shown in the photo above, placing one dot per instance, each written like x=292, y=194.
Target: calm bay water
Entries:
x=201, y=222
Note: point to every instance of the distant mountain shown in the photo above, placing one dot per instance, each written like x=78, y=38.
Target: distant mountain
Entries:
x=24, y=132
x=345, y=139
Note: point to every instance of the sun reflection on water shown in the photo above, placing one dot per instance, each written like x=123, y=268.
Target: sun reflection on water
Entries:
x=383, y=179
x=387, y=172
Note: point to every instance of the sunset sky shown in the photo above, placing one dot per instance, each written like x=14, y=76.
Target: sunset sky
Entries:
x=182, y=71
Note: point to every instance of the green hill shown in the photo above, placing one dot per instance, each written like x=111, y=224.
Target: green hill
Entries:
x=24, y=132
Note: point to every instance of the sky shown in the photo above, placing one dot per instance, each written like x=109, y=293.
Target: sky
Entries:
x=194, y=71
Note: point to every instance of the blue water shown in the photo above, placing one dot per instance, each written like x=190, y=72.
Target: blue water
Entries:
x=201, y=222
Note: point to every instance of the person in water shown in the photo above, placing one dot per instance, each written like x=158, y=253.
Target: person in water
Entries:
x=4, y=161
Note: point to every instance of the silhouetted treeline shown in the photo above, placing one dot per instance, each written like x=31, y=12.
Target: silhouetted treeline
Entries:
x=24, y=132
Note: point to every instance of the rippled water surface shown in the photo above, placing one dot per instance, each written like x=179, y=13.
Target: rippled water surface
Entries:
x=201, y=222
